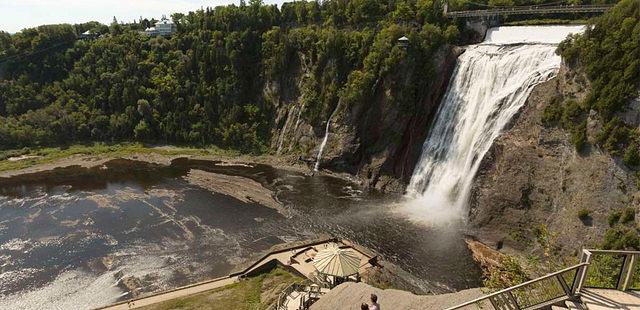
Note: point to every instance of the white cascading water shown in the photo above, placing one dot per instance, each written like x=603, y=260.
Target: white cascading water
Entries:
x=491, y=82
x=325, y=139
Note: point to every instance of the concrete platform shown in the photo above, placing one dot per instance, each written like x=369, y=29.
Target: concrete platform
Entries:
x=298, y=257
x=604, y=299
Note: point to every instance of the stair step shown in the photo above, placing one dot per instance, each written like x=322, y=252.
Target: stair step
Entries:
x=572, y=305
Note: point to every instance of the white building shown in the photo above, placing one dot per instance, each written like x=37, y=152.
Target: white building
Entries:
x=164, y=27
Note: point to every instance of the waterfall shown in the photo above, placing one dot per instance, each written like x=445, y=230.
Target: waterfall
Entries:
x=324, y=140
x=490, y=83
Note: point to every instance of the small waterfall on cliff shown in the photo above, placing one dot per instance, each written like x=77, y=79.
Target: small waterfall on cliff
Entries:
x=324, y=140
x=491, y=82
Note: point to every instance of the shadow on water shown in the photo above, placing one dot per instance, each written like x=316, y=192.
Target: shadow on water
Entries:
x=145, y=220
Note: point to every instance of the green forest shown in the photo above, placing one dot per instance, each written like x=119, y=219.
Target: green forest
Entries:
x=204, y=84
x=609, y=55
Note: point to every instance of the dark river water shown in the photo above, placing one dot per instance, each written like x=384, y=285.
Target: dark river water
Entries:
x=68, y=236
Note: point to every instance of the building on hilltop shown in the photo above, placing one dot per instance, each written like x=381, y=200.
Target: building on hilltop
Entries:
x=88, y=35
x=164, y=28
x=403, y=42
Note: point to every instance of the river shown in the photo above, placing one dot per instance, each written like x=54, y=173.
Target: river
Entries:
x=68, y=236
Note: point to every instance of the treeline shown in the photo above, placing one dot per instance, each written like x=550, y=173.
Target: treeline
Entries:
x=205, y=84
x=608, y=52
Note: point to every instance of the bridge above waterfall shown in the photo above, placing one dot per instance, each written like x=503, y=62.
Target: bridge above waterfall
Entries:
x=528, y=10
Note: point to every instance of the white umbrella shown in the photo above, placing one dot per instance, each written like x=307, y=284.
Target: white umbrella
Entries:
x=337, y=262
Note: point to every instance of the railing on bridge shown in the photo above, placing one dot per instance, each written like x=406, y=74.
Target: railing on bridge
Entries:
x=534, y=9
x=597, y=269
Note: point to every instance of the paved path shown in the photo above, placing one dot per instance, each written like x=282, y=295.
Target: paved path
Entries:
x=179, y=292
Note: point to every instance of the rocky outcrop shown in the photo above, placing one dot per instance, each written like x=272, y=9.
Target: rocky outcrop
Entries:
x=292, y=133
x=380, y=141
x=533, y=183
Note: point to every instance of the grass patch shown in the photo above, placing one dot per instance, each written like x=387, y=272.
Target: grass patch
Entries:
x=45, y=155
x=253, y=293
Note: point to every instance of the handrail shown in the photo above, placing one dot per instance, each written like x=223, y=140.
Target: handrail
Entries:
x=509, y=289
x=533, y=9
x=594, y=251
x=569, y=291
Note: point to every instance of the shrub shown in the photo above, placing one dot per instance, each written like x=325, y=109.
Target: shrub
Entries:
x=614, y=218
x=631, y=156
x=579, y=136
x=552, y=113
x=509, y=273
x=572, y=113
x=621, y=237
x=628, y=215
x=583, y=214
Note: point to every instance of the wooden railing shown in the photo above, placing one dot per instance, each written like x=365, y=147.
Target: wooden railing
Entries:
x=534, y=294
x=611, y=269
x=565, y=284
x=533, y=9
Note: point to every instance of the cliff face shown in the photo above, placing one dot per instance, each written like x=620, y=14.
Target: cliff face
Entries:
x=380, y=140
x=532, y=184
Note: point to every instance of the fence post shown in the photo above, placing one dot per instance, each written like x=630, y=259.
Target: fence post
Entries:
x=582, y=273
x=627, y=271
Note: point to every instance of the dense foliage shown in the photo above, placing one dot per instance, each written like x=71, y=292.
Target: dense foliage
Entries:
x=609, y=55
x=206, y=84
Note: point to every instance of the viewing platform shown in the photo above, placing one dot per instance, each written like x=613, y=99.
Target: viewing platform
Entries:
x=297, y=258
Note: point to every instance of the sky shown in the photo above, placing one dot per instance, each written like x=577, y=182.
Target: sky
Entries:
x=19, y=14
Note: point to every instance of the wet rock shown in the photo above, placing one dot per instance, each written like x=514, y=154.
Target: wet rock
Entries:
x=130, y=284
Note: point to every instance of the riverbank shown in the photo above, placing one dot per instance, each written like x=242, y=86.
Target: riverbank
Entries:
x=166, y=205
x=17, y=162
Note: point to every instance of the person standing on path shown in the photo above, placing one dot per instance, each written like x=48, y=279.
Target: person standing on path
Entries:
x=374, y=303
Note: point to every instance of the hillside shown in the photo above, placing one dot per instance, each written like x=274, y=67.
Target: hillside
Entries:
x=564, y=175
x=253, y=77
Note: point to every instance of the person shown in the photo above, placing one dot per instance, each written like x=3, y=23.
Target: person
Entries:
x=364, y=306
x=374, y=303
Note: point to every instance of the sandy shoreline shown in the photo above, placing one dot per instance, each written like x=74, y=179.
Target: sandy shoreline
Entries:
x=241, y=188
x=91, y=161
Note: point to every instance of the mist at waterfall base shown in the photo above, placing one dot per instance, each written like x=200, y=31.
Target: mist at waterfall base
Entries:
x=491, y=82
